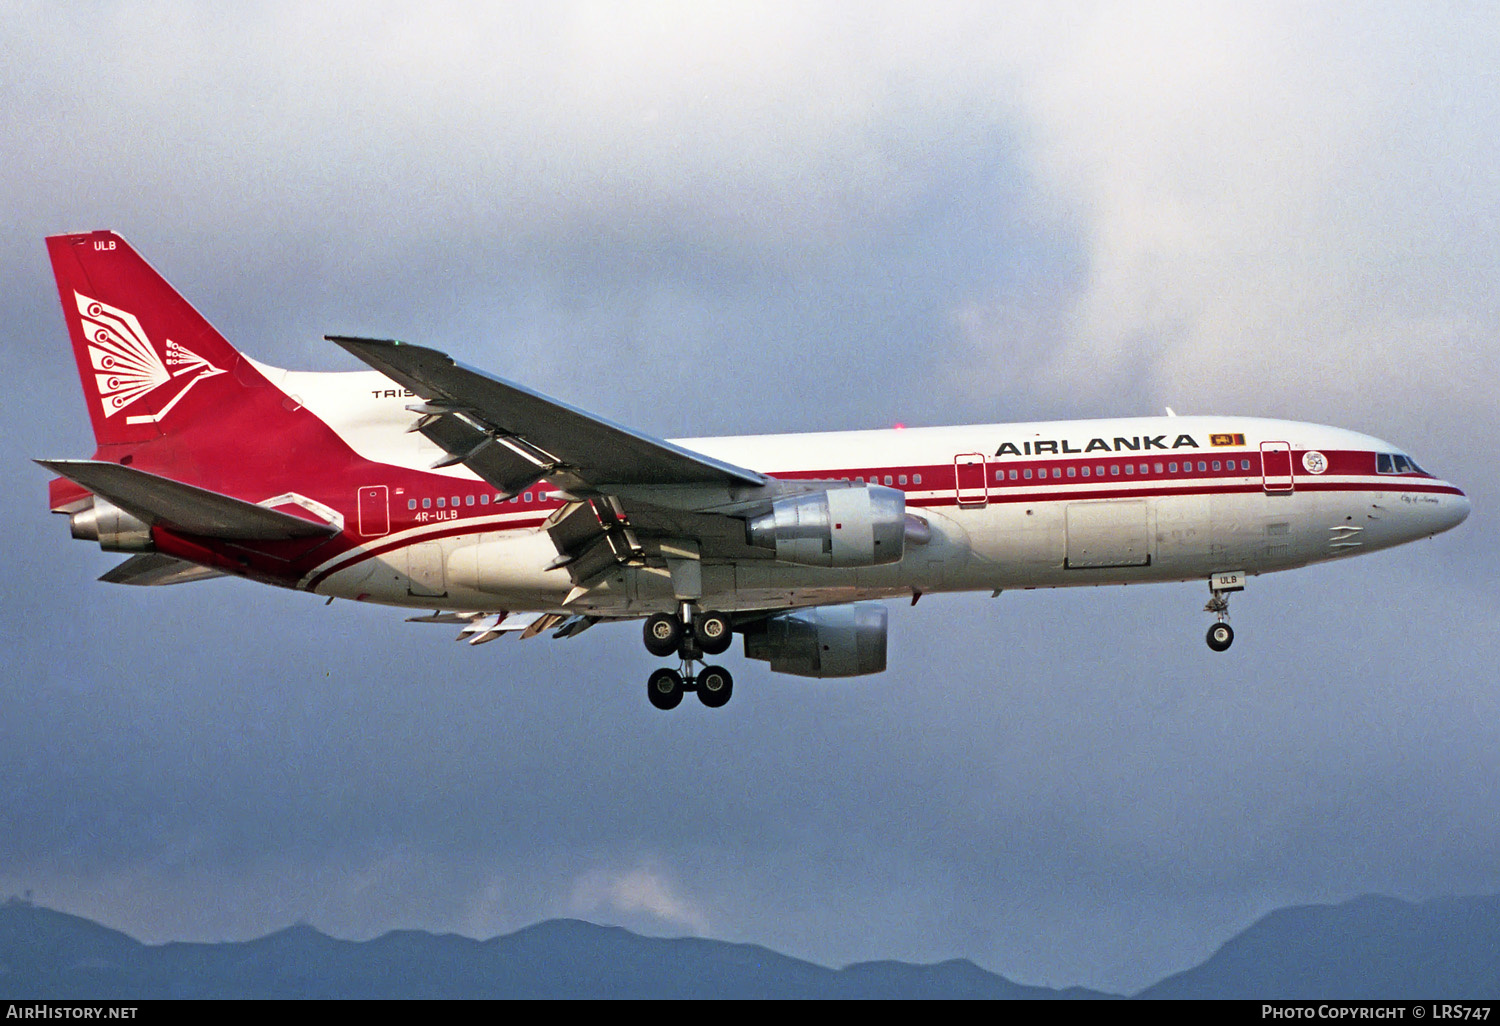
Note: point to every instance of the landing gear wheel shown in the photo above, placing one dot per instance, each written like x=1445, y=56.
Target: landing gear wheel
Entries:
x=1220, y=637
x=664, y=688
x=663, y=634
x=715, y=685
x=712, y=632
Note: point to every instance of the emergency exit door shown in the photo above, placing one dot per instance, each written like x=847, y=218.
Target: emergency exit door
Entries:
x=1276, y=466
x=374, y=510
x=969, y=479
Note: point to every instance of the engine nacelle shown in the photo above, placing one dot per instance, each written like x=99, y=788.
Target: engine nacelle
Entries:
x=113, y=528
x=840, y=527
x=825, y=641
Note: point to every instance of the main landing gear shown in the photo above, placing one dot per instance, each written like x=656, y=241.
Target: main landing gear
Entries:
x=1220, y=587
x=691, y=635
x=713, y=683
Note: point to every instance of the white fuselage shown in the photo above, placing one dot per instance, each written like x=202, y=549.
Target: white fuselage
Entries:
x=1008, y=505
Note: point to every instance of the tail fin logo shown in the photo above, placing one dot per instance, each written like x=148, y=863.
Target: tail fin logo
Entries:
x=127, y=367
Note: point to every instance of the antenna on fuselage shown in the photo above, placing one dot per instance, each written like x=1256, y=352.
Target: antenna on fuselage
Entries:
x=1170, y=412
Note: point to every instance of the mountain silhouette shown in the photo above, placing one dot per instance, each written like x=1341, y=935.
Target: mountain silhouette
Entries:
x=48, y=954
x=1446, y=949
x=1370, y=948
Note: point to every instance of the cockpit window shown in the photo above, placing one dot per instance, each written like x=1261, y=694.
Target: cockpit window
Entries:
x=1396, y=463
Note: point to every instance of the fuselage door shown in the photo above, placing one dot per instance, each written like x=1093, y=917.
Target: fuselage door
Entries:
x=1114, y=533
x=969, y=477
x=426, y=569
x=1276, y=466
x=374, y=510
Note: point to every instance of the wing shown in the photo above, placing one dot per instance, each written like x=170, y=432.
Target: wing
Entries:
x=511, y=436
x=480, y=627
x=637, y=499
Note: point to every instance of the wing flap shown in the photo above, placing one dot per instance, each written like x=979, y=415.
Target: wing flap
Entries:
x=507, y=463
x=184, y=507
x=573, y=525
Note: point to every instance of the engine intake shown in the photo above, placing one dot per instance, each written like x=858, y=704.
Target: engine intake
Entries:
x=840, y=527
x=113, y=528
x=826, y=641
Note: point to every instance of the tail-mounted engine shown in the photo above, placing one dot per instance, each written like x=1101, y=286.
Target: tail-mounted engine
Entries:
x=826, y=641
x=840, y=527
x=109, y=525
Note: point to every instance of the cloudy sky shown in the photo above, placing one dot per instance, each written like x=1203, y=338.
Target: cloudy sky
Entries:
x=763, y=217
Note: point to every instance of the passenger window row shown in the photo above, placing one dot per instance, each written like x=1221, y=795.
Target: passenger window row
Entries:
x=1388, y=463
x=483, y=499
x=1116, y=469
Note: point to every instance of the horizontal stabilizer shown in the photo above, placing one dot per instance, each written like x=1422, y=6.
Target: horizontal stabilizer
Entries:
x=154, y=569
x=183, y=507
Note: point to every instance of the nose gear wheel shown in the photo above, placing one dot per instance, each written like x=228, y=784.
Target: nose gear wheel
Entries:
x=1220, y=634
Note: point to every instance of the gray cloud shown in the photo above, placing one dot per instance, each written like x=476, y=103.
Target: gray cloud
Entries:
x=774, y=218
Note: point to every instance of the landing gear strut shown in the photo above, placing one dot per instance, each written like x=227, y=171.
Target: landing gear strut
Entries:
x=1220, y=587
x=691, y=636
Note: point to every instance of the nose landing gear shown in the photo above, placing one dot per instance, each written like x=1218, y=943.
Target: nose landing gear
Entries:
x=1220, y=587
x=691, y=636
x=1220, y=636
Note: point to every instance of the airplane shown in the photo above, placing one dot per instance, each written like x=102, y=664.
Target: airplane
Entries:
x=428, y=484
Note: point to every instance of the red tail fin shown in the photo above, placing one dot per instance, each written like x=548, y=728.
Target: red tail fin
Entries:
x=149, y=362
x=166, y=393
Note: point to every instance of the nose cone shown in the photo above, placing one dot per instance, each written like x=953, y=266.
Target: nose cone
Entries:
x=1456, y=510
x=1432, y=514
